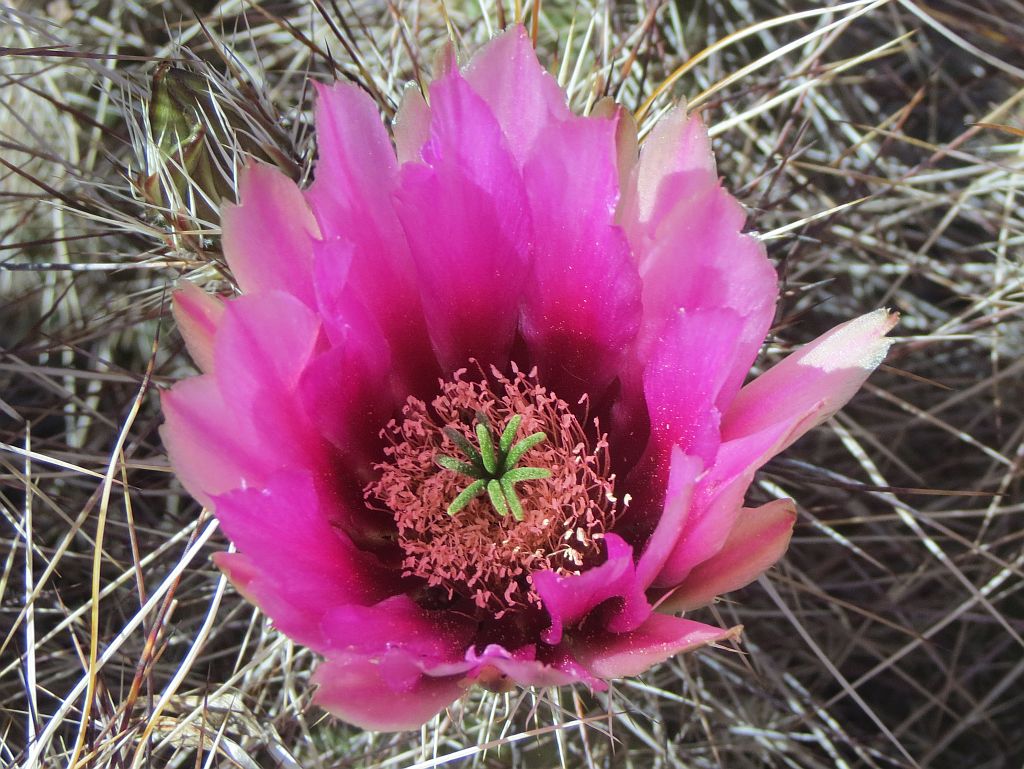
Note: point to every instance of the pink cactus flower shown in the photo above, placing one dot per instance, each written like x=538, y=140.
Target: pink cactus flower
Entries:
x=478, y=415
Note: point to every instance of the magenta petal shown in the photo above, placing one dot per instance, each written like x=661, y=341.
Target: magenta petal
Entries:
x=435, y=638
x=268, y=237
x=198, y=314
x=264, y=344
x=264, y=341
x=524, y=97
x=678, y=496
x=356, y=169
x=694, y=258
x=210, y=450
x=345, y=393
x=466, y=217
x=493, y=231
x=354, y=688
x=342, y=311
x=700, y=260
x=389, y=329
x=717, y=501
x=299, y=563
x=568, y=599
x=365, y=259
x=683, y=379
x=757, y=540
x=814, y=382
x=611, y=655
x=685, y=230
x=581, y=307
x=682, y=382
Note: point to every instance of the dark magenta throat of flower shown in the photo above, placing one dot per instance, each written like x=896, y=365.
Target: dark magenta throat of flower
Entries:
x=478, y=544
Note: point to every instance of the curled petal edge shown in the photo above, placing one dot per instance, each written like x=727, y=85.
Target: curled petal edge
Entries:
x=611, y=655
x=757, y=540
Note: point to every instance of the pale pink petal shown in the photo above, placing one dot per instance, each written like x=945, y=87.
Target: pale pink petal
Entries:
x=299, y=564
x=411, y=125
x=581, y=307
x=353, y=687
x=627, y=149
x=757, y=540
x=197, y=314
x=208, y=448
x=240, y=571
x=522, y=95
x=675, y=157
x=686, y=233
x=467, y=220
x=811, y=384
x=806, y=389
x=500, y=670
x=719, y=496
x=568, y=599
x=610, y=655
x=268, y=236
x=682, y=478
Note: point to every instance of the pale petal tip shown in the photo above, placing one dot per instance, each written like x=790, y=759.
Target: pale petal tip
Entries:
x=732, y=634
x=858, y=344
x=198, y=314
x=880, y=321
x=876, y=325
x=445, y=60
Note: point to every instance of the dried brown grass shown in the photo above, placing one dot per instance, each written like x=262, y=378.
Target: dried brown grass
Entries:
x=880, y=148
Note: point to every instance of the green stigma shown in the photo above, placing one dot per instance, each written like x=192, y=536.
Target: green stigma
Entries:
x=493, y=466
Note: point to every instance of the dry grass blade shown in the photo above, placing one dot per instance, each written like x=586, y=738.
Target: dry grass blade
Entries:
x=879, y=145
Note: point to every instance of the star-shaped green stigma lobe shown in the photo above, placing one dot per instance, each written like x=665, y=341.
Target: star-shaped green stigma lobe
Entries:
x=493, y=466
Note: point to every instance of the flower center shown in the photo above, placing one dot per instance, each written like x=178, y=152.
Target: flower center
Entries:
x=493, y=466
x=540, y=502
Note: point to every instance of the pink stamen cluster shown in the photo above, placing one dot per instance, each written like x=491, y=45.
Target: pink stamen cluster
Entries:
x=477, y=554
